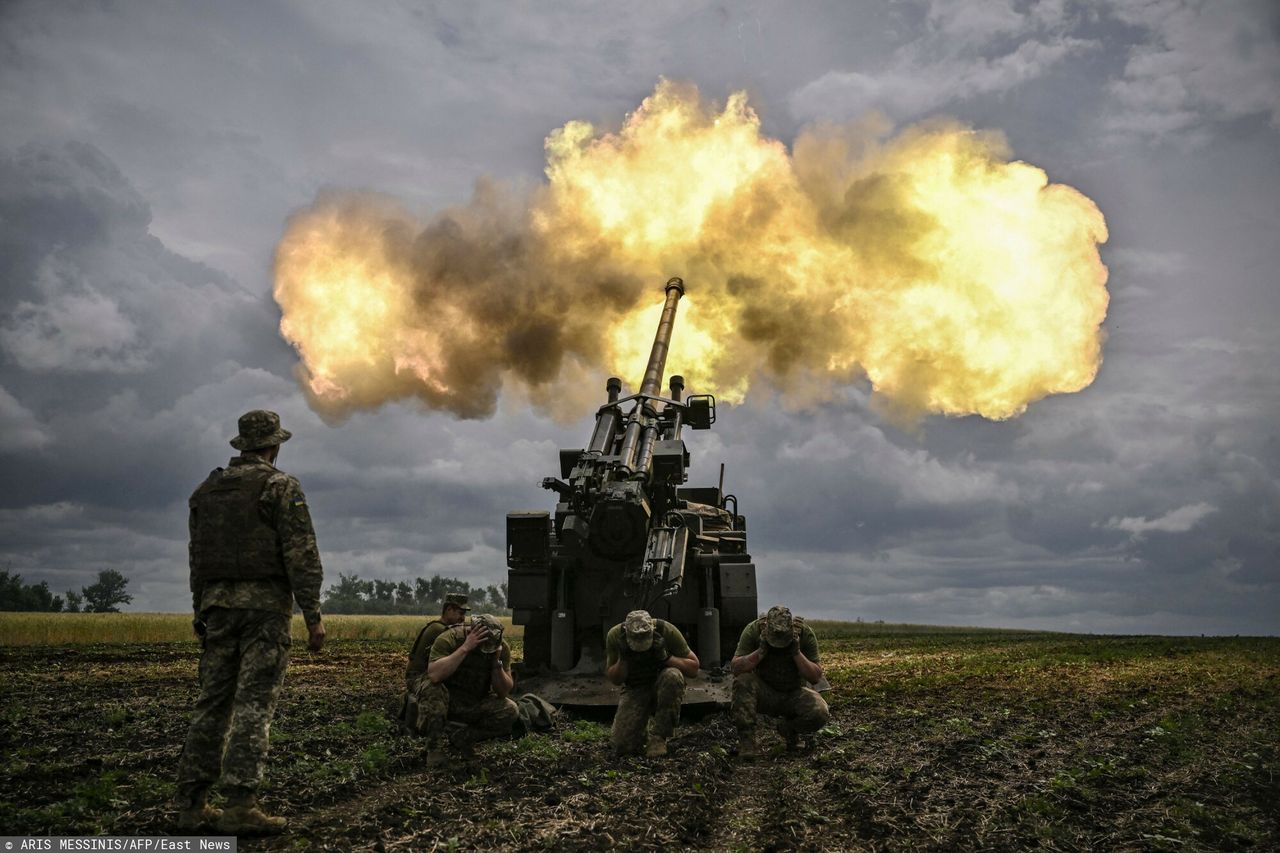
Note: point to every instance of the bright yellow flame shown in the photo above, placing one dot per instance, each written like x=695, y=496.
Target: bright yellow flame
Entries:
x=956, y=281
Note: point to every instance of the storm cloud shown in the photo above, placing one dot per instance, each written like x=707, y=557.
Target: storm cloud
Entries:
x=150, y=158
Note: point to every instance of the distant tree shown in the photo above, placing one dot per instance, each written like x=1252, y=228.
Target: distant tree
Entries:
x=107, y=594
x=74, y=601
x=421, y=592
x=383, y=590
x=16, y=595
x=11, y=591
x=494, y=598
x=346, y=596
x=353, y=595
x=43, y=599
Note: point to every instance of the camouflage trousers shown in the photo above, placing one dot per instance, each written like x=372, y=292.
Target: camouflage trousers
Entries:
x=489, y=717
x=660, y=701
x=241, y=670
x=803, y=709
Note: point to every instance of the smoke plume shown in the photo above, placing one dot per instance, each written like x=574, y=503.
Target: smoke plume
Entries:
x=955, y=280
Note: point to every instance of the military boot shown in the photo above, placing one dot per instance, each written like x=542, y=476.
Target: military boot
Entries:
x=747, y=749
x=464, y=741
x=194, y=812
x=790, y=735
x=243, y=817
x=657, y=747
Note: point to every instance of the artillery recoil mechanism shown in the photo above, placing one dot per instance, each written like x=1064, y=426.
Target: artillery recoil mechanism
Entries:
x=627, y=535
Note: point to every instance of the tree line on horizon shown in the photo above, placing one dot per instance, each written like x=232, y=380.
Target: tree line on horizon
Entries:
x=351, y=594
x=105, y=595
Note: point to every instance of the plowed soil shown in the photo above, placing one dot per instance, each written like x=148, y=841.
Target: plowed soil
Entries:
x=953, y=740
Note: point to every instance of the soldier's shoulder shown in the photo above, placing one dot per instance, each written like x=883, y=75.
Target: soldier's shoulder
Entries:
x=285, y=487
x=213, y=476
x=283, y=479
x=448, y=639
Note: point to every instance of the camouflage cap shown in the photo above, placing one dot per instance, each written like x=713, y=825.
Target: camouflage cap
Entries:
x=779, y=628
x=458, y=600
x=259, y=429
x=638, y=628
x=494, y=641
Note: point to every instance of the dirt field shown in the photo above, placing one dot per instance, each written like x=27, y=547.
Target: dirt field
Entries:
x=987, y=740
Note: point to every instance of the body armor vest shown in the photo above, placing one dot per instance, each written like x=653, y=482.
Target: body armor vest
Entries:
x=232, y=541
x=421, y=651
x=472, y=678
x=643, y=667
x=777, y=670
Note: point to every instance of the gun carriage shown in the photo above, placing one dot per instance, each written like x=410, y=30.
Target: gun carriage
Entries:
x=627, y=534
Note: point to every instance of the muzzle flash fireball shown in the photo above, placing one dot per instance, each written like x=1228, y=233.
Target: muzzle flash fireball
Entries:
x=955, y=280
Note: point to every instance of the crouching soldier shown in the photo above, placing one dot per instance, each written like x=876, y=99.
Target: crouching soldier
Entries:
x=453, y=612
x=775, y=662
x=469, y=682
x=651, y=659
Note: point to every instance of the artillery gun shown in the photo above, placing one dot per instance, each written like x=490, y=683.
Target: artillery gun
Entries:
x=626, y=534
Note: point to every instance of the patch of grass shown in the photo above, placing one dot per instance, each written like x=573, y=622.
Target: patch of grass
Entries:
x=115, y=717
x=585, y=731
x=533, y=745
x=375, y=758
x=372, y=722
x=76, y=629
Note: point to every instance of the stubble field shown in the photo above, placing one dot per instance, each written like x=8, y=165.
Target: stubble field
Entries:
x=940, y=739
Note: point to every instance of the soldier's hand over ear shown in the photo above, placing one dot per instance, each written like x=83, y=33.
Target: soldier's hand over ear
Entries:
x=477, y=635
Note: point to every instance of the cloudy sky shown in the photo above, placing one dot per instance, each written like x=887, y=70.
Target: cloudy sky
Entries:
x=150, y=155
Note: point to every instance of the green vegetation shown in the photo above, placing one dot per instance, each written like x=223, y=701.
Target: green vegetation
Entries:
x=965, y=738
x=351, y=594
x=49, y=629
x=103, y=596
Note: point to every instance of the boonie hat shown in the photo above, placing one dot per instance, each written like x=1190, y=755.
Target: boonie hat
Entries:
x=259, y=429
x=458, y=600
x=638, y=628
x=779, y=628
x=494, y=640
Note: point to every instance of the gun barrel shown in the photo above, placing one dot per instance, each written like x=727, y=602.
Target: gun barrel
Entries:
x=652, y=384
x=637, y=440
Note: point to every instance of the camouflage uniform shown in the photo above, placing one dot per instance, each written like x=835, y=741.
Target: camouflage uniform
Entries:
x=466, y=696
x=652, y=691
x=253, y=553
x=776, y=687
x=415, y=677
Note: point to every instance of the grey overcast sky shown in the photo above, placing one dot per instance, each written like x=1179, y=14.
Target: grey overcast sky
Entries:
x=150, y=155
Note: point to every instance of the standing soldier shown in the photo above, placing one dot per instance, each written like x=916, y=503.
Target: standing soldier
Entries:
x=468, y=681
x=453, y=612
x=253, y=553
x=651, y=659
x=776, y=660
